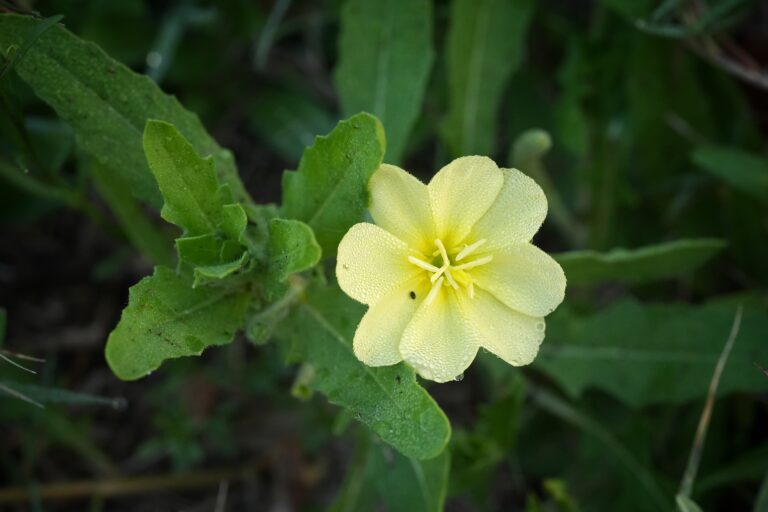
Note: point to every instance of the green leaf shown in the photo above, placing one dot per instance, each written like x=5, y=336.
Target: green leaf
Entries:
x=106, y=103
x=330, y=189
x=187, y=181
x=292, y=247
x=685, y=504
x=746, y=172
x=201, y=250
x=208, y=273
x=641, y=265
x=385, y=54
x=388, y=399
x=382, y=479
x=485, y=45
x=653, y=353
x=234, y=220
x=166, y=318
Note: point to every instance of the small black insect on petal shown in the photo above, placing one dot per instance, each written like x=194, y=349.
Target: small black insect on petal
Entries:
x=412, y=295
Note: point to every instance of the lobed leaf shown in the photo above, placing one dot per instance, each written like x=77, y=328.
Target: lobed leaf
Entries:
x=188, y=183
x=106, y=103
x=485, y=45
x=652, y=353
x=640, y=265
x=167, y=318
x=387, y=399
x=385, y=55
x=329, y=191
x=292, y=247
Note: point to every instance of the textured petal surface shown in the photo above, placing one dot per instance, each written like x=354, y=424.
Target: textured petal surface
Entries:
x=377, y=339
x=440, y=342
x=523, y=277
x=516, y=214
x=461, y=193
x=400, y=204
x=512, y=336
x=372, y=262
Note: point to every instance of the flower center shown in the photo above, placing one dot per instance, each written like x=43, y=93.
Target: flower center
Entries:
x=450, y=272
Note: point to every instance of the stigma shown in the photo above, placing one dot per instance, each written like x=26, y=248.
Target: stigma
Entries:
x=446, y=270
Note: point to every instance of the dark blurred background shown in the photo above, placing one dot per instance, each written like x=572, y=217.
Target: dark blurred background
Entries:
x=632, y=106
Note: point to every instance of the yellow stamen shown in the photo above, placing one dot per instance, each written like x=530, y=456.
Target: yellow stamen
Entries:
x=433, y=292
x=468, y=249
x=451, y=281
x=455, y=275
x=475, y=263
x=423, y=264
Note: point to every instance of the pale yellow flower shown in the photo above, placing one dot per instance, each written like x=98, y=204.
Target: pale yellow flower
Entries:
x=449, y=268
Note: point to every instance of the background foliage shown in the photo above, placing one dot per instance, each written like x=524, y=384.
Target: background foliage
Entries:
x=643, y=121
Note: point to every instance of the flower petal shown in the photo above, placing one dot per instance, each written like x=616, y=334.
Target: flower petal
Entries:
x=512, y=336
x=372, y=262
x=377, y=338
x=523, y=277
x=400, y=204
x=461, y=193
x=516, y=214
x=440, y=342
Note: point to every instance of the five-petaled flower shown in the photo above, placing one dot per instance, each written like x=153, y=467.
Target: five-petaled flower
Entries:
x=449, y=268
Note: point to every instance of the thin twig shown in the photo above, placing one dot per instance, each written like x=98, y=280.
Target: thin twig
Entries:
x=686, y=485
x=17, y=365
x=132, y=485
x=221, y=496
x=20, y=396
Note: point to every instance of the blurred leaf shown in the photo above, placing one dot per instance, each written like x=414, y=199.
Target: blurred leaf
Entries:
x=106, y=103
x=292, y=247
x=558, y=490
x=477, y=451
x=652, y=353
x=330, y=189
x=382, y=478
x=52, y=140
x=567, y=412
x=166, y=318
x=388, y=399
x=686, y=504
x=143, y=234
x=641, y=265
x=385, y=54
x=485, y=45
x=288, y=121
x=19, y=51
x=746, y=172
